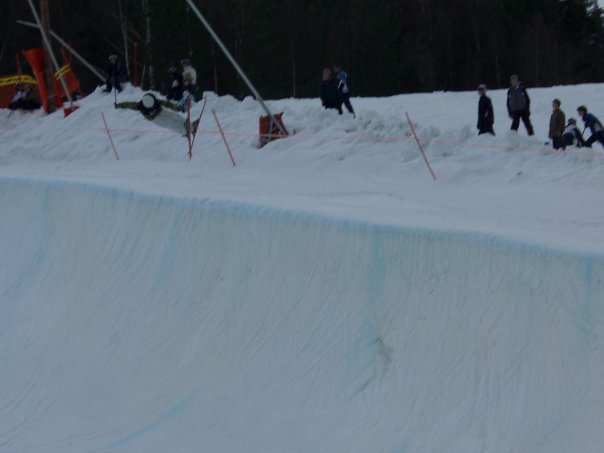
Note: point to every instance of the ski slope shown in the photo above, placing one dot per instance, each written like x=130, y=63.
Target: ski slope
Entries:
x=323, y=295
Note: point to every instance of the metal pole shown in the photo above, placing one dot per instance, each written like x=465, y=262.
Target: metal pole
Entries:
x=52, y=56
x=48, y=71
x=235, y=64
x=68, y=47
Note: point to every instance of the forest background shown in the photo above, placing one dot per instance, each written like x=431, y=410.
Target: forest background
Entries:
x=386, y=46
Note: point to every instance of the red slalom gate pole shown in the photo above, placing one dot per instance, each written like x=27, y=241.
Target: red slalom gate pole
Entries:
x=224, y=138
x=203, y=107
x=109, y=135
x=421, y=148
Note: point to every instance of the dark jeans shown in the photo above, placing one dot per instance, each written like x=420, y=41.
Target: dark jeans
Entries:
x=557, y=142
x=337, y=105
x=525, y=116
x=346, y=102
x=486, y=130
x=113, y=82
x=599, y=136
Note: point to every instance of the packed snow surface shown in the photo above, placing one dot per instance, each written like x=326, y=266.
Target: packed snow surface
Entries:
x=325, y=294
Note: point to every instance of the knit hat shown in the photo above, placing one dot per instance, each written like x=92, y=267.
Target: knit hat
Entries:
x=482, y=87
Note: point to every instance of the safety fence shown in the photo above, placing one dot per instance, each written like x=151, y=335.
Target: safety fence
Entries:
x=350, y=137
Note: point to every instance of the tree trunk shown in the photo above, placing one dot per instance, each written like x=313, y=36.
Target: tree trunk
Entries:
x=215, y=64
x=125, y=37
x=293, y=57
x=148, y=42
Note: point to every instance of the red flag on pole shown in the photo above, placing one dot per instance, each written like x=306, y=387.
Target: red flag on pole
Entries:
x=35, y=58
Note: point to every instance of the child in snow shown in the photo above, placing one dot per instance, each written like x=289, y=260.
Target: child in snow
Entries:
x=571, y=135
x=556, y=124
x=591, y=122
x=343, y=87
x=486, y=117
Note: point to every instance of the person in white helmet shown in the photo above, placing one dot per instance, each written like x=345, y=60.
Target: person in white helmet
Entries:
x=189, y=76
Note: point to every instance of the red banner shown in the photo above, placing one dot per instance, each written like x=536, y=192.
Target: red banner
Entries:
x=72, y=82
x=35, y=58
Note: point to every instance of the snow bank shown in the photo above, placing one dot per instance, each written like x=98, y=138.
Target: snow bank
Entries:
x=133, y=322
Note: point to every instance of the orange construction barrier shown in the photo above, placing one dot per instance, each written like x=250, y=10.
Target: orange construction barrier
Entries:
x=269, y=130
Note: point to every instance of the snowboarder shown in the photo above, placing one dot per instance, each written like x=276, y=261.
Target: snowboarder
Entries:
x=591, y=122
x=330, y=96
x=556, y=124
x=343, y=88
x=519, y=105
x=175, y=91
x=486, y=117
x=572, y=136
x=115, y=74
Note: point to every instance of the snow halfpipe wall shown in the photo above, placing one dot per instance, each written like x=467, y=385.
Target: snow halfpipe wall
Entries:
x=133, y=322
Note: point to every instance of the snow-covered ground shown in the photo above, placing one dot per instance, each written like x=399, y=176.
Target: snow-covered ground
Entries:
x=323, y=295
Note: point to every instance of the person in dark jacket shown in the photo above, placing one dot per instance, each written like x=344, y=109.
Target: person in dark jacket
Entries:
x=519, y=105
x=115, y=74
x=343, y=87
x=175, y=91
x=330, y=96
x=572, y=135
x=591, y=122
x=556, y=124
x=486, y=117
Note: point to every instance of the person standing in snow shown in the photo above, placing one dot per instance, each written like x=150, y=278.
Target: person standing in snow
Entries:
x=115, y=74
x=189, y=77
x=591, y=122
x=486, y=117
x=556, y=124
x=343, y=88
x=519, y=105
x=330, y=97
x=572, y=135
x=175, y=91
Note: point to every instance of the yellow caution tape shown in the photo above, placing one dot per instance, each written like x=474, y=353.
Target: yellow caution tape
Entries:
x=12, y=80
x=64, y=70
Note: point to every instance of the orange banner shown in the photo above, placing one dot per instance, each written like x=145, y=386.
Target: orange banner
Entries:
x=35, y=58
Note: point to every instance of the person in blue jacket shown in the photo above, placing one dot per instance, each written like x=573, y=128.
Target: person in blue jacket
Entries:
x=593, y=123
x=343, y=87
